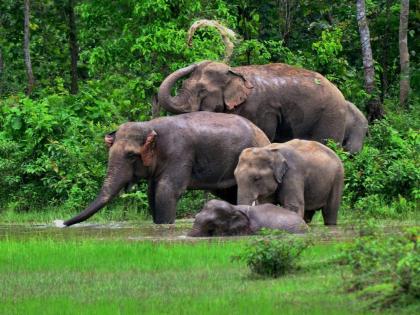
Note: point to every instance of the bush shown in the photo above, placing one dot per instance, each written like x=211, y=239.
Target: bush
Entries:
x=385, y=269
x=273, y=253
x=382, y=180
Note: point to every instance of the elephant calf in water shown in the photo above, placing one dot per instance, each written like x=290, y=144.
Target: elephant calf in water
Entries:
x=220, y=218
x=300, y=175
x=191, y=151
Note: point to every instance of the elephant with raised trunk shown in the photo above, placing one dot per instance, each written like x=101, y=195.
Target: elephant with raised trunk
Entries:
x=286, y=102
x=220, y=218
x=190, y=151
x=300, y=175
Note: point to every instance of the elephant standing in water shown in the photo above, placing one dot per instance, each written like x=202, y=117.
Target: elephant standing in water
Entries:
x=300, y=175
x=286, y=102
x=191, y=151
x=220, y=218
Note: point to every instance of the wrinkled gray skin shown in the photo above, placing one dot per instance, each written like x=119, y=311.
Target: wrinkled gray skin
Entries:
x=356, y=129
x=191, y=151
x=302, y=176
x=284, y=101
x=220, y=218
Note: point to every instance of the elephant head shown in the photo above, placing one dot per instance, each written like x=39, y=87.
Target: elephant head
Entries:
x=131, y=157
x=211, y=86
x=258, y=174
x=220, y=218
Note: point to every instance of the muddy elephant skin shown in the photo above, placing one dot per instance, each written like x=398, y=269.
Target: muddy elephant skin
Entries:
x=220, y=218
x=300, y=175
x=286, y=102
x=191, y=151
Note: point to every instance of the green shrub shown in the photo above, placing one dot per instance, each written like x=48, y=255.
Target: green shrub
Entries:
x=382, y=180
x=273, y=253
x=385, y=269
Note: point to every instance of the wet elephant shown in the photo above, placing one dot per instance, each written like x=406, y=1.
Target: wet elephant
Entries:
x=286, y=102
x=300, y=175
x=220, y=218
x=190, y=151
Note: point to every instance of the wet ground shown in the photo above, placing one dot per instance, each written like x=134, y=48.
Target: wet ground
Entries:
x=142, y=231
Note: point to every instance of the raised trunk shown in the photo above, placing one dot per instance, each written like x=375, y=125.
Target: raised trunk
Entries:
x=177, y=104
x=26, y=41
x=375, y=110
x=113, y=184
x=404, y=56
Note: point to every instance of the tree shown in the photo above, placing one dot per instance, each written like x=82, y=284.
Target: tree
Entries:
x=1, y=72
x=404, y=56
x=27, y=53
x=74, y=48
x=375, y=110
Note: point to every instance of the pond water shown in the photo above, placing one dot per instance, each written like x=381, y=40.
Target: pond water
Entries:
x=139, y=231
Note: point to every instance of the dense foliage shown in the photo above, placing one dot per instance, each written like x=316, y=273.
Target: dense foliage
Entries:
x=51, y=147
x=385, y=269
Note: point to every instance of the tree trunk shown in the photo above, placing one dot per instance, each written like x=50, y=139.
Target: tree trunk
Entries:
x=74, y=49
x=375, y=110
x=27, y=53
x=1, y=72
x=385, y=53
x=404, y=56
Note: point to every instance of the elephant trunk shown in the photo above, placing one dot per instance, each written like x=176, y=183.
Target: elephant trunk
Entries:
x=109, y=190
x=175, y=104
x=246, y=199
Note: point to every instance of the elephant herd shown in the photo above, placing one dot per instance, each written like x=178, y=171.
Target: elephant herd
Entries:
x=221, y=142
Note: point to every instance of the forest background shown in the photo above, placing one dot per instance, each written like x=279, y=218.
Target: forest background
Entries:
x=96, y=64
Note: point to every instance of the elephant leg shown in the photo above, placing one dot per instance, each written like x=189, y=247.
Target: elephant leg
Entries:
x=227, y=194
x=308, y=215
x=269, y=124
x=151, y=189
x=167, y=192
x=291, y=196
x=330, y=210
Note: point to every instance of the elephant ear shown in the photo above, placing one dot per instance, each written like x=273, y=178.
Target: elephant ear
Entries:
x=237, y=90
x=147, y=150
x=279, y=165
x=239, y=223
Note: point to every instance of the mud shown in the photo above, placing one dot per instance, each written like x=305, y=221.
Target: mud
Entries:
x=144, y=231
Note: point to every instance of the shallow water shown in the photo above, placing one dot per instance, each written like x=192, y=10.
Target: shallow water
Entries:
x=106, y=231
x=148, y=231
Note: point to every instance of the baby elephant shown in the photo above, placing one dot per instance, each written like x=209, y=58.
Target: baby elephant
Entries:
x=220, y=218
x=302, y=176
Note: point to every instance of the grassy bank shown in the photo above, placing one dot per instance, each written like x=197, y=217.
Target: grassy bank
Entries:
x=116, y=277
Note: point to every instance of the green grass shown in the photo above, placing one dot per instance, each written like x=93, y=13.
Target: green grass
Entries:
x=119, y=277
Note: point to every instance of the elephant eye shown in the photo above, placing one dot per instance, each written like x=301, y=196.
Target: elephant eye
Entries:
x=256, y=178
x=202, y=92
x=131, y=155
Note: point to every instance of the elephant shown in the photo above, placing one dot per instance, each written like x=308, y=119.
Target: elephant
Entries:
x=286, y=102
x=191, y=151
x=220, y=218
x=355, y=130
x=300, y=175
